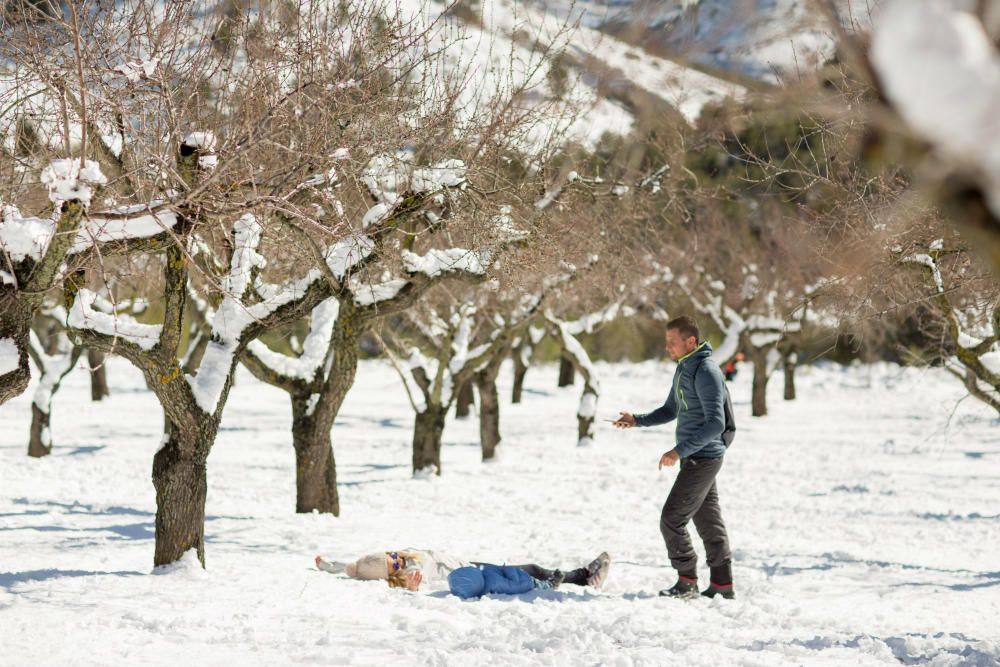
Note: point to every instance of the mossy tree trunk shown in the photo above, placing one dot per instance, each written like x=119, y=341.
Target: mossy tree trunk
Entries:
x=315, y=467
x=21, y=300
x=15, y=323
x=181, y=483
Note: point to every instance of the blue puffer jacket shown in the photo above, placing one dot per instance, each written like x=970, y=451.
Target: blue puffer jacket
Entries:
x=474, y=581
x=696, y=401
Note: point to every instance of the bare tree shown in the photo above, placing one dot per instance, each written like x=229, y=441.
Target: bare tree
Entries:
x=966, y=307
x=259, y=161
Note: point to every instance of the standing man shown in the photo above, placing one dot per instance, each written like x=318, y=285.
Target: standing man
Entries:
x=696, y=400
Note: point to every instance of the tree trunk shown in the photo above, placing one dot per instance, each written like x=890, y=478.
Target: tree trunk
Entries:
x=520, y=370
x=791, y=363
x=181, y=483
x=489, y=412
x=52, y=370
x=585, y=416
x=98, y=375
x=315, y=468
x=759, y=397
x=15, y=321
x=315, y=465
x=315, y=405
x=464, y=400
x=427, y=431
x=566, y=372
x=40, y=440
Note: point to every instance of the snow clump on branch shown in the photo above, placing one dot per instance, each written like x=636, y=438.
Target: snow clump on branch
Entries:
x=388, y=177
x=136, y=70
x=247, y=232
x=83, y=316
x=437, y=262
x=66, y=181
x=204, y=143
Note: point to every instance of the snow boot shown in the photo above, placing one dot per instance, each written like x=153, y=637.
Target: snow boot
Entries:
x=686, y=587
x=597, y=570
x=725, y=590
x=721, y=582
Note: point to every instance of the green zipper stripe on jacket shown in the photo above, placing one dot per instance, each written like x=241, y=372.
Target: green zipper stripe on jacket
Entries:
x=678, y=392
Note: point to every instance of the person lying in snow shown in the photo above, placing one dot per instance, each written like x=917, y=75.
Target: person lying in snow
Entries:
x=408, y=569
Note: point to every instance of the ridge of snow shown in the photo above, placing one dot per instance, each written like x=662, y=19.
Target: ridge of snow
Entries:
x=246, y=237
x=366, y=294
x=437, y=262
x=228, y=324
x=102, y=230
x=345, y=254
x=29, y=237
x=314, y=348
x=83, y=316
x=445, y=174
x=233, y=316
x=928, y=261
x=25, y=237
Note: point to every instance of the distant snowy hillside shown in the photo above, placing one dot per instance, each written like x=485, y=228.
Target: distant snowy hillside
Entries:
x=764, y=39
x=608, y=74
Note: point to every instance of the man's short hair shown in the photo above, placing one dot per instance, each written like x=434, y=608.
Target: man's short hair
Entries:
x=685, y=326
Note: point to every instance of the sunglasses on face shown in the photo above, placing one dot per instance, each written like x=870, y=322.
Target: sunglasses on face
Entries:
x=398, y=562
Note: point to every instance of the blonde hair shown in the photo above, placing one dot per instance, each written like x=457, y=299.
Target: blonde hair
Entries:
x=397, y=578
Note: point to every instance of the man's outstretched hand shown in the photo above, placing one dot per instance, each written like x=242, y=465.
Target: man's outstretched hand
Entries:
x=669, y=458
x=626, y=420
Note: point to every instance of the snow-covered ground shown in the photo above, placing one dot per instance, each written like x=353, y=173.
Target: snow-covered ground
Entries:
x=864, y=519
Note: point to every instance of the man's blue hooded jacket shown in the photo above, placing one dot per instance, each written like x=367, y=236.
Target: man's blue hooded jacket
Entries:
x=696, y=400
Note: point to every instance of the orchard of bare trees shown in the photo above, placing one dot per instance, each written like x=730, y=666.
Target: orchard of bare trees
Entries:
x=286, y=186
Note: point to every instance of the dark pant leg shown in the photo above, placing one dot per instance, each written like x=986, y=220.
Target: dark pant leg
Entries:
x=695, y=479
x=577, y=577
x=537, y=571
x=712, y=530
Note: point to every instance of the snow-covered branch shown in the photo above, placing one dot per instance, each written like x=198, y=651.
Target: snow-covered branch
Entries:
x=974, y=332
x=315, y=348
x=115, y=325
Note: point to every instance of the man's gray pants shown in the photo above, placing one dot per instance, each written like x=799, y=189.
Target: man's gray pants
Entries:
x=694, y=496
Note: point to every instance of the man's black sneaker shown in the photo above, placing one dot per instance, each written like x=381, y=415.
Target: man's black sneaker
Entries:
x=726, y=591
x=684, y=588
